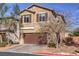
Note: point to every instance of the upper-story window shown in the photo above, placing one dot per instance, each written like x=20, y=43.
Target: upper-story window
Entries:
x=42, y=17
x=27, y=18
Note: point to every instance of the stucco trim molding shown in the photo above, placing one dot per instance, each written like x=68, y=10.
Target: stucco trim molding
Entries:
x=28, y=28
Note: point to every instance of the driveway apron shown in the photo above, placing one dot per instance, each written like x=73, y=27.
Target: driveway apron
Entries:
x=25, y=48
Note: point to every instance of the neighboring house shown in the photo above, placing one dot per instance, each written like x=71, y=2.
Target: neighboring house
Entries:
x=6, y=26
x=68, y=33
x=29, y=23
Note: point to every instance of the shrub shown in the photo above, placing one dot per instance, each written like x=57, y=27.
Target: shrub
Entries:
x=76, y=32
x=52, y=45
x=10, y=42
x=68, y=41
x=3, y=44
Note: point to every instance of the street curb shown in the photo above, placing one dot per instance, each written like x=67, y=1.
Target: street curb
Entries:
x=56, y=54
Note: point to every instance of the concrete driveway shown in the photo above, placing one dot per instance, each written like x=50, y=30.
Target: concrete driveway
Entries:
x=25, y=48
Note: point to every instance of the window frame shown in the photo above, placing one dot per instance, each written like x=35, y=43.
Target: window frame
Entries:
x=39, y=18
x=29, y=18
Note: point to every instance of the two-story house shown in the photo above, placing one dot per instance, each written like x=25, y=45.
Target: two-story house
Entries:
x=29, y=24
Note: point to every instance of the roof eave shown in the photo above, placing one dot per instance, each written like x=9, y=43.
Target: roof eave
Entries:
x=27, y=10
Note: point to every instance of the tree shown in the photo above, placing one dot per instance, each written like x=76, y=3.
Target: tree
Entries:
x=3, y=9
x=16, y=11
x=71, y=21
x=54, y=27
x=15, y=14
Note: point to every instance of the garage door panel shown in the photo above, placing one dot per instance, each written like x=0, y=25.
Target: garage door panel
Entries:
x=32, y=38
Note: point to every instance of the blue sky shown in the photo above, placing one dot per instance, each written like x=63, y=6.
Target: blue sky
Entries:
x=71, y=11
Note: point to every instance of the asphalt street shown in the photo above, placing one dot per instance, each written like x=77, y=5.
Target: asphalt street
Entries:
x=16, y=54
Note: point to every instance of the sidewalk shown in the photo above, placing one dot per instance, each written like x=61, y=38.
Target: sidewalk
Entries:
x=55, y=54
x=48, y=52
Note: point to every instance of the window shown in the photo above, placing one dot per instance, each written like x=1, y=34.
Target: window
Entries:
x=42, y=17
x=27, y=18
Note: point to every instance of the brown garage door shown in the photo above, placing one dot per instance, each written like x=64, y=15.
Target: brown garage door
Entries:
x=35, y=38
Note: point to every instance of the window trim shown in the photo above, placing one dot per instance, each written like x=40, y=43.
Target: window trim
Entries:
x=29, y=17
x=38, y=18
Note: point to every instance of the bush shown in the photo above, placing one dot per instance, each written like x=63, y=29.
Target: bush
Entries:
x=68, y=41
x=10, y=42
x=52, y=45
x=3, y=44
x=76, y=32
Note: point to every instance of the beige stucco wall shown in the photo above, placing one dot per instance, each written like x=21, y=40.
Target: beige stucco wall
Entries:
x=34, y=19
